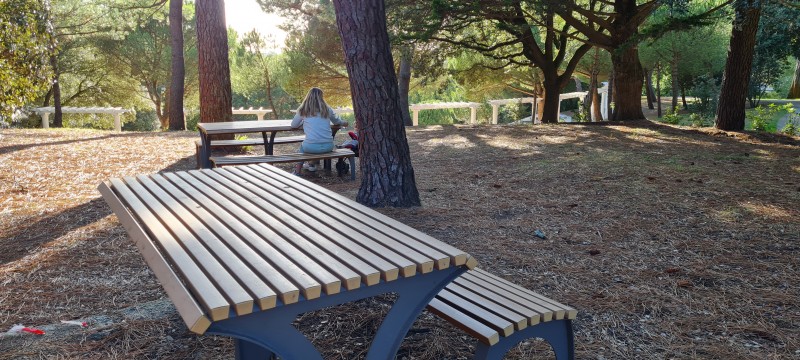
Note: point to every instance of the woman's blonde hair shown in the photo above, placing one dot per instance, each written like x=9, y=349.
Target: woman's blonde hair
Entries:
x=314, y=104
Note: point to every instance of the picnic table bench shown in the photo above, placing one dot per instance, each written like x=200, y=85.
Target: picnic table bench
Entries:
x=241, y=251
x=238, y=143
x=219, y=161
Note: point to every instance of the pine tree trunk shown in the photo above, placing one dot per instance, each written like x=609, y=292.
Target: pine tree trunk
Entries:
x=794, y=91
x=213, y=67
x=387, y=177
x=597, y=114
x=648, y=86
x=658, y=89
x=674, y=82
x=735, y=79
x=628, y=75
x=611, y=95
x=404, y=83
x=58, y=116
x=683, y=98
x=549, y=110
x=176, y=87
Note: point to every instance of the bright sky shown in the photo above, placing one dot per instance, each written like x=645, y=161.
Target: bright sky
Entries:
x=246, y=15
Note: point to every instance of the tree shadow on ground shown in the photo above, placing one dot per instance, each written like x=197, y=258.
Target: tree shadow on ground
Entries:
x=13, y=148
x=23, y=241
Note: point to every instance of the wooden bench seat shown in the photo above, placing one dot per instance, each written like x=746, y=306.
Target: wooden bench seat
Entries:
x=500, y=314
x=250, y=142
x=218, y=161
x=237, y=143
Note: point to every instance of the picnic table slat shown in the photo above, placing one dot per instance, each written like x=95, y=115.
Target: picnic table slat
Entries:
x=511, y=299
x=322, y=249
x=471, y=326
x=568, y=311
x=217, y=306
x=379, y=256
x=452, y=255
x=286, y=290
x=190, y=311
x=283, y=158
x=217, y=239
x=376, y=232
x=238, y=296
x=296, y=246
x=519, y=319
x=310, y=277
x=499, y=324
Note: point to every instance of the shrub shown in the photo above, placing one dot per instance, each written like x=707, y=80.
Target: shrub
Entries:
x=698, y=120
x=145, y=120
x=761, y=117
x=672, y=118
x=792, y=128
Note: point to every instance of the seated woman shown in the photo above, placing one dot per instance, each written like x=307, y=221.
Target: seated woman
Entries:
x=315, y=116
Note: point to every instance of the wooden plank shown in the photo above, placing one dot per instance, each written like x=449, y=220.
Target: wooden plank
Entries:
x=238, y=296
x=476, y=312
x=236, y=127
x=568, y=311
x=413, y=237
x=253, y=141
x=240, y=238
x=471, y=326
x=349, y=206
x=284, y=158
x=375, y=232
x=520, y=319
x=469, y=280
x=310, y=277
x=202, y=288
x=286, y=221
x=303, y=252
x=395, y=253
x=248, y=266
x=188, y=308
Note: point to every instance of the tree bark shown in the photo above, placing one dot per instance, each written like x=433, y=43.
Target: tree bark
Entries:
x=735, y=79
x=404, y=83
x=58, y=116
x=794, y=91
x=683, y=98
x=597, y=114
x=611, y=96
x=176, y=87
x=628, y=75
x=648, y=86
x=674, y=81
x=213, y=67
x=387, y=177
x=658, y=89
x=549, y=110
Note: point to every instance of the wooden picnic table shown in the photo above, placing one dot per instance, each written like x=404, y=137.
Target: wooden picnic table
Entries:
x=267, y=128
x=241, y=251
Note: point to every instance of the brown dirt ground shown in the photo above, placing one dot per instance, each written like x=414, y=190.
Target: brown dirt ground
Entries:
x=671, y=242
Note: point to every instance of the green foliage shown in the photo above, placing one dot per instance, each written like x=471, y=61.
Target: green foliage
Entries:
x=706, y=90
x=763, y=118
x=672, y=118
x=254, y=68
x=792, y=127
x=698, y=120
x=145, y=120
x=27, y=45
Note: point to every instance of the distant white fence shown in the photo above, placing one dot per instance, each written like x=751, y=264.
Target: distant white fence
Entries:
x=260, y=112
x=530, y=100
x=415, y=109
x=116, y=111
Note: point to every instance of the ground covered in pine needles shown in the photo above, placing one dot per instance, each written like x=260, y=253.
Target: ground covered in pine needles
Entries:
x=671, y=242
